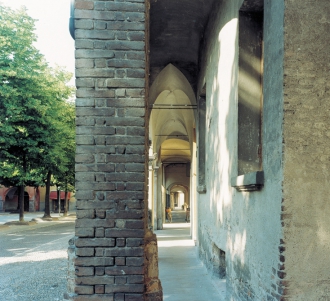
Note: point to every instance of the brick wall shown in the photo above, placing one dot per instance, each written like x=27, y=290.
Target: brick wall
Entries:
x=110, y=159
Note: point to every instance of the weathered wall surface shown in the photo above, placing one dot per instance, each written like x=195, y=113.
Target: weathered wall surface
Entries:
x=306, y=206
x=110, y=169
x=177, y=174
x=244, y=225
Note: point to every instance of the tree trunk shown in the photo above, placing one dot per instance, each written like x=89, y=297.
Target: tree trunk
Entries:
x=47, y=207
x=66, y=202
x=59, y=200
x=21, y=195
x=21, y=203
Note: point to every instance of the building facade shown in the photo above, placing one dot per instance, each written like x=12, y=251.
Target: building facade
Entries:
x=9, y=199
x=223, y=102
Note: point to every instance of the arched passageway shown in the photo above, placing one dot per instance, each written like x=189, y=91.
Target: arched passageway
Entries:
x=171, y=132
x=261, y=134
x=11, y=200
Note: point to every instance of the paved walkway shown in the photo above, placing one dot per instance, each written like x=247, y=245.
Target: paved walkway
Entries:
x=183, y=276
x=28, y=216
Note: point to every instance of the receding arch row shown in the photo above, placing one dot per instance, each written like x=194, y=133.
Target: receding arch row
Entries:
x=171, y=100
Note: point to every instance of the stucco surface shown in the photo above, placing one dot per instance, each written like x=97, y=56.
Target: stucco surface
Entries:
x=246, y=226
x=306, y=208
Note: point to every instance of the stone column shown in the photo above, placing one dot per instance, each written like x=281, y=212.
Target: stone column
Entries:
x=159, y=201
x=172, y=200
x=155, y=197
x=150, y=197
x=111, y=166
x=154, y=291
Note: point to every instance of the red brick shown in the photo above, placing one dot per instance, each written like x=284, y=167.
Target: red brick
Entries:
x=124, y=288
x=106, y=297
x=108, y=223
x=85, y=213
x=84, y=232
x=95, y=242
x=93, y=261
x=99, y=232
x=120, y=261
x=134, y=297
x=119, y=297
x=99, y=289
x=99, y=271
x=124, y=233
x=120, y=280
x=84, y=271
x=120, y=242
x=85, y=252
x=118, y=271
x=94, y=280
x=81, y=4
x=135, y=224
x=84, y=290
x=134, y=261
x=135, y=279
x=137, y=251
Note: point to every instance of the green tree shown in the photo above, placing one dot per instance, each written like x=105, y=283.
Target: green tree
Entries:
x=66, y=175
x=59, y=162
x=31, y=99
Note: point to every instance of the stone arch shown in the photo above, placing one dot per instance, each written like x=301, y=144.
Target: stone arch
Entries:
x=11, y=200
x=172, y=101
x=185, y=189
x=171, y=80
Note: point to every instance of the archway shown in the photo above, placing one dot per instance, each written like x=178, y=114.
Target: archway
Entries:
x=179, y=202
x=11, y=200
x=171, y=132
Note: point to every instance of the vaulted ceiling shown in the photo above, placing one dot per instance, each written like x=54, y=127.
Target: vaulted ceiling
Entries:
x=176, y=30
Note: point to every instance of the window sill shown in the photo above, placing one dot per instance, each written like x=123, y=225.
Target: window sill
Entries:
x=201, y=189
x=253, y=181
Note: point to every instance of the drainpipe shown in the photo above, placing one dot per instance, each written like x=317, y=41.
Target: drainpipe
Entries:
x=71, y=20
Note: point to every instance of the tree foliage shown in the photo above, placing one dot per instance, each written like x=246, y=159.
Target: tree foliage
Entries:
x=36, y=119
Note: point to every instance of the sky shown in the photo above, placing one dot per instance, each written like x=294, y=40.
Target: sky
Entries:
x=52, y=29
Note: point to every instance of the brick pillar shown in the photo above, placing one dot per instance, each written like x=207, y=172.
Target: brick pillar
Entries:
x=110, y=159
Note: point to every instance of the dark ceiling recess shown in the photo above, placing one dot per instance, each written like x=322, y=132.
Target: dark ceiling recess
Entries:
x=252, y=5
x=176, y=30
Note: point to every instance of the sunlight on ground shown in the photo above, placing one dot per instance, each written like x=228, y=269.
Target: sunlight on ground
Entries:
x=164, y=237
x=176, y=225
x=176, y=243
x=34, y=256
x=179, y=238
x=19, y=249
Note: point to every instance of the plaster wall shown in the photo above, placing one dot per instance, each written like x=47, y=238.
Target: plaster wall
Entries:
x=245, y=225
x=306, y=207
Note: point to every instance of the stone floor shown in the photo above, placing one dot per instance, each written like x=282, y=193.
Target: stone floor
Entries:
x=183, y=276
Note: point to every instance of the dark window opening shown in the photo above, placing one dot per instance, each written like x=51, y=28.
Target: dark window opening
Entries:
x=250, y=96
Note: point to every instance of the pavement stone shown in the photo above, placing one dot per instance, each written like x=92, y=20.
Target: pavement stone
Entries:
x=182, y=274
x=32, y=217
